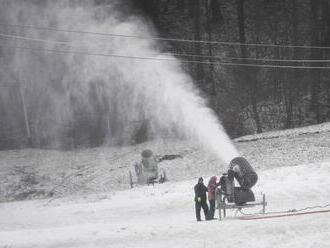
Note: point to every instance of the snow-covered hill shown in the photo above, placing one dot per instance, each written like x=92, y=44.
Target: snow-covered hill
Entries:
x=34, y=173
x=88, y=209
x=163, y=216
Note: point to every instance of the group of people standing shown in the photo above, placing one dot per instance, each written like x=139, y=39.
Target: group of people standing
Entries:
x=201, y=199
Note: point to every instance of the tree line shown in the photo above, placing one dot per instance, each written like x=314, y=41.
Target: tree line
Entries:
x=273, y=94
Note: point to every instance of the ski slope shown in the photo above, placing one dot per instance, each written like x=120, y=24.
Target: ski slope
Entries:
x=163, y=215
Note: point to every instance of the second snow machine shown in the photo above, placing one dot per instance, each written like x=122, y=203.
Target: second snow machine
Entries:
x=147, y=171
x=228, y=196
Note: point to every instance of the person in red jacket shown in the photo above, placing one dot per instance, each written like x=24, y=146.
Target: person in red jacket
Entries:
x=211, y=187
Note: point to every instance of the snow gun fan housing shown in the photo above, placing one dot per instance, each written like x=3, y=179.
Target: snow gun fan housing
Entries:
x=146, y=153
x=242, y=171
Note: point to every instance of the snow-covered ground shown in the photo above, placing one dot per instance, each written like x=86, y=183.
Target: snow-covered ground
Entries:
x=319, y=128
x=293, y=171
x=163, y=216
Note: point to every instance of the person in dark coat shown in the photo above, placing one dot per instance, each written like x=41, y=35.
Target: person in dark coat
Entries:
x=212, y=185
x=200, y=199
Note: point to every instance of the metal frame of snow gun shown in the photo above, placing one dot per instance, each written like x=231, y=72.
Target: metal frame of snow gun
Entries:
x=230, y=197
x=147, y=172
x=224, y=201
x=142, y=179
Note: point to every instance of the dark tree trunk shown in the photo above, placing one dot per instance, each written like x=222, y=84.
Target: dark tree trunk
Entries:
x=243, y=75
x=241, y=28
x=315, y=54
x=277, y=73
x=254, y=83
x=291, y=87
x=197, y=24
x=326, y=54
x=249, y=77
x=198, y=46
x=210, y=77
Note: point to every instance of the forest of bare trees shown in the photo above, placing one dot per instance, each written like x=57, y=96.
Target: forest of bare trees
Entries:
x=261, y=64
x=280, y=41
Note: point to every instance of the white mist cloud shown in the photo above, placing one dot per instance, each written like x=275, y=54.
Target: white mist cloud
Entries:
x=56, y=85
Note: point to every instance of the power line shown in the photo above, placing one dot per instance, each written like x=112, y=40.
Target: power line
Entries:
x=162, y=59
x=251, y=59
x=162, y=38
x=283, y=60
x=9, y=36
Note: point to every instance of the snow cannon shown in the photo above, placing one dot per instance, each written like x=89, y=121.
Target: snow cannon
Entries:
x=242, y=171
x=150, y=164
x=230, y=197
x=147, y=171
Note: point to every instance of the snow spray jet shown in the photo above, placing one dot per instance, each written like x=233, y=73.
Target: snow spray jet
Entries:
x=58, y=85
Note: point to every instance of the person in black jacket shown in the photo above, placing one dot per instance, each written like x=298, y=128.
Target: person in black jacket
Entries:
x=200, y=199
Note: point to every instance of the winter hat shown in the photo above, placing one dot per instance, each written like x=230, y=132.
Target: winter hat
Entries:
x=200, y=180
x=213, y=179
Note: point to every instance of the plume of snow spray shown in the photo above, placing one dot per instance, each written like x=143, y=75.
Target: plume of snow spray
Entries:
x=57, y=84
